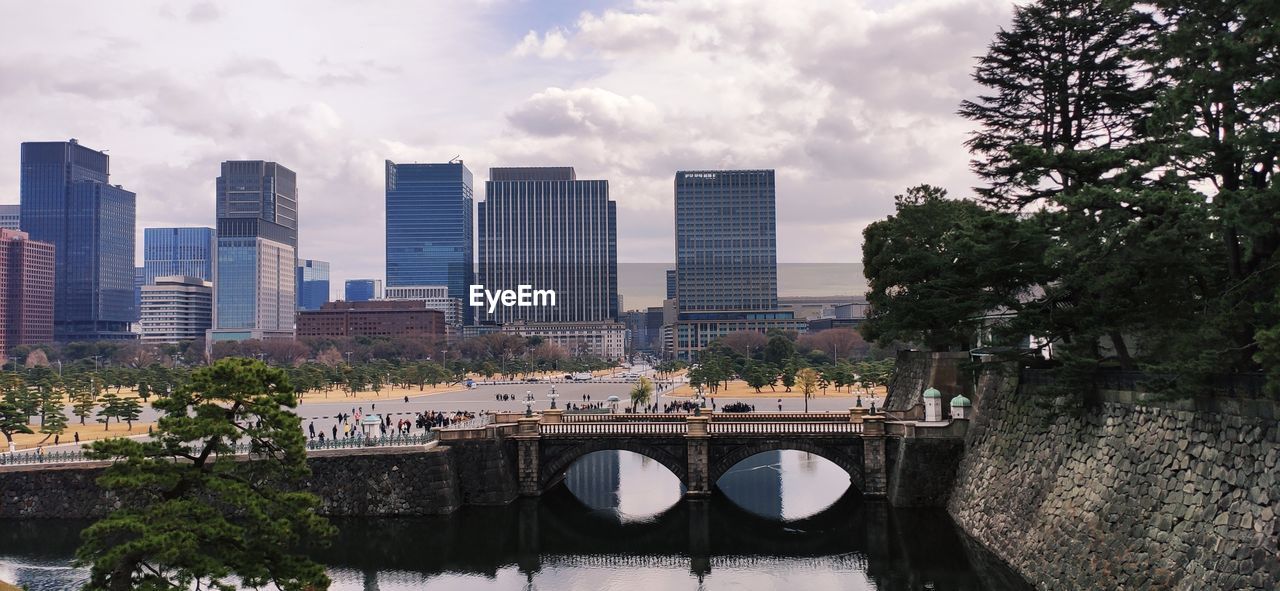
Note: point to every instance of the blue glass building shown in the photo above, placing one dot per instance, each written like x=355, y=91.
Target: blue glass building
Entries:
x=313, y=284
x=67, y=200
x=254, y=274
x=177, y=251
x=139, y=280
x=363, y=290
x=430, y=226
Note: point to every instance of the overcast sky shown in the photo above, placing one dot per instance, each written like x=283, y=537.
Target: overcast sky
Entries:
x=851, y=102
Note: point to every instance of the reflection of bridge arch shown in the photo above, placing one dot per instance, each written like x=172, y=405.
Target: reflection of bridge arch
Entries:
x=560, y=456
x=848, y=458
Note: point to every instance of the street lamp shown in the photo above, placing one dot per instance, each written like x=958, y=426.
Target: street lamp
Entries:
x=553, y=396
x=528, y=407
x=697, y=404
x=528, y=395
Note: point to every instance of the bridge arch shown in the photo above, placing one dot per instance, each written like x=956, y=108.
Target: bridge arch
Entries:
x=729, y=456
x=557, y=459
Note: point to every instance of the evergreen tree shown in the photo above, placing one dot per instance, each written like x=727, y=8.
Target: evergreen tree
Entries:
x=194, y=517
x=110, y=408
x=128, y=410
x=53, y=420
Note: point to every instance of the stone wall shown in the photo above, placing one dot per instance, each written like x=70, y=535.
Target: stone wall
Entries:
x=1122, y=495
x=923, y=471
x=378, y=482
x=915, y=371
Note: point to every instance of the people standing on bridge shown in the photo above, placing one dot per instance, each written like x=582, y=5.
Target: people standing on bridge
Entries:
x=335, y=431
x=311, y=428
x=322, y=438
x=779, y=405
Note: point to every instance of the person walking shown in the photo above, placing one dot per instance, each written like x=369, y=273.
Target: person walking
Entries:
x=77, y=435
x=311, y=428
x=335, y=432
x=779, y=405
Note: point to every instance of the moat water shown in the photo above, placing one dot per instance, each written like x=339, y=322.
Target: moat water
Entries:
x=780, y=520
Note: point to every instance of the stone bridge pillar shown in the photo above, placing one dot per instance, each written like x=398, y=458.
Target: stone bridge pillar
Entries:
x=875, y=481
x=527, y=451
x=698, y=440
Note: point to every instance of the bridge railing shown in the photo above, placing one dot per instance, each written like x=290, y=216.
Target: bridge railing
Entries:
x=622, y=418
x=735, y=417
x=615, y=428
x=761, y=428
x=239, y=449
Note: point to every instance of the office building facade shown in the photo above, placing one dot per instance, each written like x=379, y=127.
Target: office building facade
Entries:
x=430, y=226
x=391, y=319
x=544, y=228
x=313, y=284
x=176, y=308
x=27, y=278
x=10, y=217
x=67, y=201
x=256, y=264
x=188, y=252
x=434, y=297
x=363, y=290
x=726, y=276
x=726, y=240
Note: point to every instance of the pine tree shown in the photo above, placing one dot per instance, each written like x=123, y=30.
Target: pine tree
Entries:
x=110, y=403
x=128, y=410
x=84, y=396
x=193, y=516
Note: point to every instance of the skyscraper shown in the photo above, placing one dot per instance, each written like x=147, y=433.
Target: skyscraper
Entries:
x=254, y=273
x=430, y=226
x=726, y=276
x=363, y=290
x=10, y=216
x=68, y=202
x=313, y=284
x=726, y=245
x=26, y=291
x=178, y=251
x=544, y=228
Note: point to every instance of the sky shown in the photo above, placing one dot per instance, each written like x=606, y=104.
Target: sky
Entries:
x=851, y=102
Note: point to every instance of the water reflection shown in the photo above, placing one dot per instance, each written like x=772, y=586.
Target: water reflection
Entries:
x=625, y=486
x=619, y=522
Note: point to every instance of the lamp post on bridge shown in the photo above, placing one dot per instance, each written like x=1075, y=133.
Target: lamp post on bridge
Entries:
x=528, y=407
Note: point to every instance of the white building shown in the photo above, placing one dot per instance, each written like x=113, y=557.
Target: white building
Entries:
x=176, y=308
x=606, y=340
x=435, y=297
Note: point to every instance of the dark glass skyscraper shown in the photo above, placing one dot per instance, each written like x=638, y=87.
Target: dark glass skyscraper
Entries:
x=726, y=244
x=313, y=284
x=178, y=251
x=544, y=228
x=254, y=275
x=67, y=201
x=430, y=226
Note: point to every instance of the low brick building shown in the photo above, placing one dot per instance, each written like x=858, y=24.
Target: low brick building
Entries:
x=378, y=318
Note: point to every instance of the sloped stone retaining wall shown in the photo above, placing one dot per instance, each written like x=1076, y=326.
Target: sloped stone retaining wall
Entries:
x=1122, y=494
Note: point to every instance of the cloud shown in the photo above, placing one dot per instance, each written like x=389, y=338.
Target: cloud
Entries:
x=203, y=12
x=585, y=111
x=254, y=67
x=551, y=45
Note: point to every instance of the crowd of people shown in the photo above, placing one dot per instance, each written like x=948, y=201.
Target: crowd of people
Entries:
x=351, y=425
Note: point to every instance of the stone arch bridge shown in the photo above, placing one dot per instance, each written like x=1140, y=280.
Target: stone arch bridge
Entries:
x=699, y=449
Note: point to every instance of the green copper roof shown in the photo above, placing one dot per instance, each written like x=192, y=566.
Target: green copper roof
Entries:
x=960, y=401
x=932, y=393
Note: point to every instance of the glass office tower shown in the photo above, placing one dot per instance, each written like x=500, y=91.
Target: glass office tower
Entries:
x=726, y=240
x=313, y=284
x=256, y=265
x=544, y=228
x=363, y=290
x=67, y=201
x=430, y=226
x=178, y=251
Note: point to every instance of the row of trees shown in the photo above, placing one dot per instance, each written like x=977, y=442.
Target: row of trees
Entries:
x=44, y=397
x=779, y=362
x=1128, y=210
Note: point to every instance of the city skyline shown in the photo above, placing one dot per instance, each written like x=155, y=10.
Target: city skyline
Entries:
x=592, y=85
